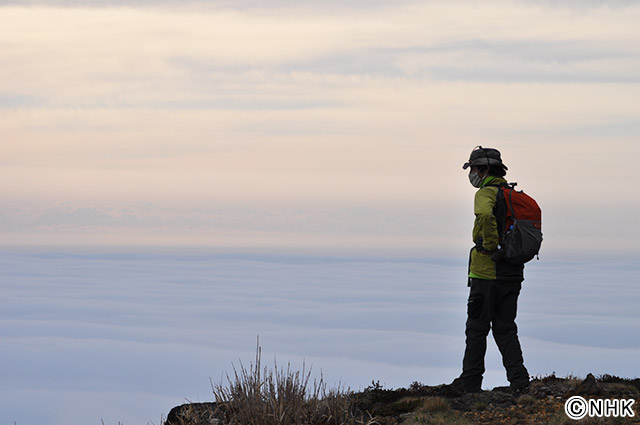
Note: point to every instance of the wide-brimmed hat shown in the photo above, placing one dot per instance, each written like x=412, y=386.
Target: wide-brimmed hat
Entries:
x=484, y=156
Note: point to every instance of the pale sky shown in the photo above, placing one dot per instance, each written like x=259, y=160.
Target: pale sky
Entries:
x=321, y=126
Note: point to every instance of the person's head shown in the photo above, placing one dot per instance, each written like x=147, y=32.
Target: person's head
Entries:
x=484, y=162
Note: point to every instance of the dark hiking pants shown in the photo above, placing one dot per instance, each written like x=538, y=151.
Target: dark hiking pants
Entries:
x=492, y=305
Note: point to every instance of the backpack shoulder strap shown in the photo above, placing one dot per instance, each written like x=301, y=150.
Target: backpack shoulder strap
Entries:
x=500, y=209
x=502, y=203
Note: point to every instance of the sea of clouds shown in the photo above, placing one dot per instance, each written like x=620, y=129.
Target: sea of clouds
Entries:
x=124, y=335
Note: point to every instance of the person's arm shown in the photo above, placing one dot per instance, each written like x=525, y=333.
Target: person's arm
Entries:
x=485, y=201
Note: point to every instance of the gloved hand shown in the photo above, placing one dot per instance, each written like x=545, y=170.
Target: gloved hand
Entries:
x=497, y=255
x=480, y=248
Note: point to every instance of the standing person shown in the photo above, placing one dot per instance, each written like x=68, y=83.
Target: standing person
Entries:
x=495, y=284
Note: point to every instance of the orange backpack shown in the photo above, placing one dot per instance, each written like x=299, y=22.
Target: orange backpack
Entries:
x=519, y=224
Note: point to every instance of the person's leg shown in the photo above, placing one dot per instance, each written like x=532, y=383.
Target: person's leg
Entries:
x=505, y=333
x=478, y=324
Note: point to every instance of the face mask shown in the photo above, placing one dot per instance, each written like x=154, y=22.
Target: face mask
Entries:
x=475, y=179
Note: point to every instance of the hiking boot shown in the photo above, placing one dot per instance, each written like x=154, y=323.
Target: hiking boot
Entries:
x=519, y=391
x=464, y=388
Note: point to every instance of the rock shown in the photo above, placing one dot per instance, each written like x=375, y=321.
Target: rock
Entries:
x=193, y=414
x=543, y=405
x=588, y=387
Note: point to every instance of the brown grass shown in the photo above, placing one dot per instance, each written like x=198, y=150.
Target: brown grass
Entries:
x=278, y=396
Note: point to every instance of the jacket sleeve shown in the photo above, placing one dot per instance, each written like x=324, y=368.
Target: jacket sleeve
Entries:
x=486, y=225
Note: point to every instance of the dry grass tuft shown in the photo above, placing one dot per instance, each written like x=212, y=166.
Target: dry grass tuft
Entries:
x=278, y=396
x=435, y=405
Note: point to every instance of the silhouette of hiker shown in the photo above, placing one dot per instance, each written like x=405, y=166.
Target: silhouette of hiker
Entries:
x=495, y=285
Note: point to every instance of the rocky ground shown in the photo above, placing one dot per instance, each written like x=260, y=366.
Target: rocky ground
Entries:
x=445, y=404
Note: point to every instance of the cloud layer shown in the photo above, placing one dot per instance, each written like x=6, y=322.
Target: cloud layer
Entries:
x=124, y=335
x=166, y=113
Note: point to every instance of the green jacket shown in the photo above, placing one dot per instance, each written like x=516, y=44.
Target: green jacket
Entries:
x=485, y=234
